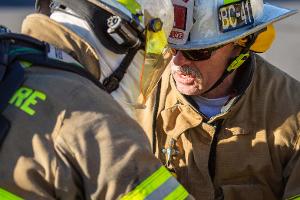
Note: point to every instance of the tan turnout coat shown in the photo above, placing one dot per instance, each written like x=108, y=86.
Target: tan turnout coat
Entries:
x=69, y=139
x=255, y=153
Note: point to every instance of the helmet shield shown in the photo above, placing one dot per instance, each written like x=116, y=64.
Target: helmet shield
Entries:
x=154, y=66
x=149, y=22
x=159, y=19
x=156, y=20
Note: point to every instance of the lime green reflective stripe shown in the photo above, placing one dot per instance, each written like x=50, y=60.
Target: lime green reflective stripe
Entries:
x=26, y=64
x=132, y=5
x=4, y=195
x=160, y=185
x=179, y=194
x=229, y=1
x=149, y=185
x=297, y=197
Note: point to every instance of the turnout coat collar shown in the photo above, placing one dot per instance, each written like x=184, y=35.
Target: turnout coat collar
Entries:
x=256, y=149
x=45, y=29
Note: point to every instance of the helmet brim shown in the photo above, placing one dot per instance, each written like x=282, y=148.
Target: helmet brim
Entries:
x=271, y=14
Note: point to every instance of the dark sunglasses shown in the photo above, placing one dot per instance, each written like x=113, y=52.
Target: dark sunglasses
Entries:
x=197, y=55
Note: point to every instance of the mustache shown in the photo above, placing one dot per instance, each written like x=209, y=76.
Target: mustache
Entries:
x=187, y=70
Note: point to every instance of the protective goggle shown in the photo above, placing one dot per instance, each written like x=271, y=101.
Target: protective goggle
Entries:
x=197, y=55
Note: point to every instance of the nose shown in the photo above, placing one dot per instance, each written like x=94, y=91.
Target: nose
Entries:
x=180, y=60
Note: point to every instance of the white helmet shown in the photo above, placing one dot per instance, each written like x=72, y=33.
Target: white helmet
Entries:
x=201, y=24
x=126, y=27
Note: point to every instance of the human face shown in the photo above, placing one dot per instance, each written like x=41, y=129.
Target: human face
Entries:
x=196, y=77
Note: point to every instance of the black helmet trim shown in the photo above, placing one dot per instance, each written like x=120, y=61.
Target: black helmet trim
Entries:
x=128, y=34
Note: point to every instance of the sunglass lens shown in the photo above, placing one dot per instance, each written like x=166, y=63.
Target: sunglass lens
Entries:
x=197, y=55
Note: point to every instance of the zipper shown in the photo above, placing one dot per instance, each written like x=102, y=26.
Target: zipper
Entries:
x=212, y=160
x=213, y=150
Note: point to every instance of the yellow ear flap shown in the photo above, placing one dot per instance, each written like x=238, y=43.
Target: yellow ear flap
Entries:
x=263, y=41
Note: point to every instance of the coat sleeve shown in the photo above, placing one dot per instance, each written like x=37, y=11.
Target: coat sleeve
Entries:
x=292, y=172
x=104, y=154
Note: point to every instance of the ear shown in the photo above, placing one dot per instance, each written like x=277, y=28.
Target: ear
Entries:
x=263, y=41
x=236, y=51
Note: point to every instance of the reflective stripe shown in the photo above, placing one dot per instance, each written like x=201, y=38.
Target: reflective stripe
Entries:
x=179, y=194
x=297, y=197
x=160, y=185
x=169, y=190
x=4, y=195
x=25, y=64
x=229, y=1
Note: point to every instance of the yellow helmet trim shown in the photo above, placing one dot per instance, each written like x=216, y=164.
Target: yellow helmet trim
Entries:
x=132, y=5
x=263, y=41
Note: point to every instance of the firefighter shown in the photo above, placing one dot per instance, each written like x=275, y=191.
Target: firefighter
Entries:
x=121, y=58
x=62, y=135
x=226, y=121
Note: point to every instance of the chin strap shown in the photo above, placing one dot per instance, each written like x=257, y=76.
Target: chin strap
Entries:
x=116, y=34
x=112, y=82
x=236, y=62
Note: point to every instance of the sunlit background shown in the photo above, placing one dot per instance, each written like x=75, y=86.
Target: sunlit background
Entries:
x=284, y=52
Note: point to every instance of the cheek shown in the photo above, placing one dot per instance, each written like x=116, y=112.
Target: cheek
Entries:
x=174, y=68
x=213, y=67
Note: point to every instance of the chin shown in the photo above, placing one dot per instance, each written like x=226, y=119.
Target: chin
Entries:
x=189, y=90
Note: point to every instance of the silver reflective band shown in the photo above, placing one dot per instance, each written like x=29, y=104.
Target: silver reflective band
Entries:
x=164, y=190
x=160, y=185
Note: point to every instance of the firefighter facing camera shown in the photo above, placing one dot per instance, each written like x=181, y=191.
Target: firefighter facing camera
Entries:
x=225, y=120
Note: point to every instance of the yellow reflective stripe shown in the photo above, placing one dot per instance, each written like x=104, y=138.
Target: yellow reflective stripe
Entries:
x=149, y=185
x=4, y=195
x=229, y=1
x=179, y=194
x=26, y=64
x=132, y=5
x=297, y=197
